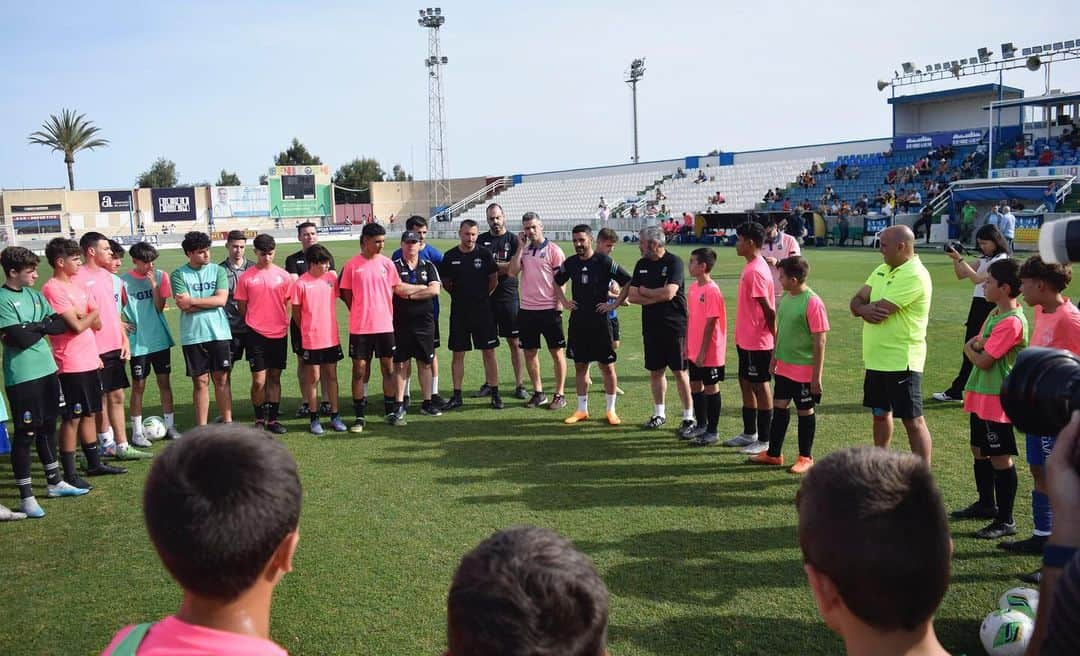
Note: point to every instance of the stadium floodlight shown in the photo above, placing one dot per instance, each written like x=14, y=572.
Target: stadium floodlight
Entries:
x=1058, y=45
x=637, y=71
x=1033, y=63
x=985, y=54
x=439, y=196
x=1008, y=50
x=882, y=85
x=908, y=68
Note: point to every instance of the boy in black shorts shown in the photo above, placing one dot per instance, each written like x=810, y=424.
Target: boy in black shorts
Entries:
x=706, y=347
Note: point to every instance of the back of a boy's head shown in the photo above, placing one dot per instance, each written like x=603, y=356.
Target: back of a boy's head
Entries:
x=872, y=521
x=526, y=591
x=217, y=505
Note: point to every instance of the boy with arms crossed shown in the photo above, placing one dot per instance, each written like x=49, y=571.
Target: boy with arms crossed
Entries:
x=314, y=299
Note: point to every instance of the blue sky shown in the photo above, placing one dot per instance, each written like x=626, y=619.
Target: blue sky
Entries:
x=530, y=86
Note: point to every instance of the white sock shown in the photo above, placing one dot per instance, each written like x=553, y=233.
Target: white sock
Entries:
x=408, y=387
x=659, y=411
x=688, y=413
x=136, y=425
x=434, y=384
x=363, y=390
x=169, y=418
x=106, y=439
x=583, y=402
x=609, y=401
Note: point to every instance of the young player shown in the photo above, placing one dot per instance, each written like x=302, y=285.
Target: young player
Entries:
x=367, y=287
x=801, y=327
x=876, y=549
x=307, y=233
x=993, y=352
x=706, y=346
x=606, y=240
x=414, y=323
x=199, y=519
x=507, y=590
x=590, y=274
x=755, y=328
x=314, y=300
x=263, y=294
x=1057, y=325
x=77, y=360
x=30, y=377
x=148, y=289
x=234, y=266
x=201, y=290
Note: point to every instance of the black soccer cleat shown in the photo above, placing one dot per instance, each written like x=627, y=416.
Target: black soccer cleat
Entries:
x=104, y=470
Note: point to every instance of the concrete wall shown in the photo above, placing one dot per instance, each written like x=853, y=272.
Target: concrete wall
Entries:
x=952, y=114
x=403, y=199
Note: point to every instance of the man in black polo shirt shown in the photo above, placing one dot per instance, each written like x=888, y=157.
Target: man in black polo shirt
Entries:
x=297, y=265
x=414, y=322
x=658, y=286
x=470, y=274
x=235, y=265
x=589, y=337
x=504, y=300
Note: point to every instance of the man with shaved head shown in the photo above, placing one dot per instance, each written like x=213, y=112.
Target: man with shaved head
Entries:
x=894, y=305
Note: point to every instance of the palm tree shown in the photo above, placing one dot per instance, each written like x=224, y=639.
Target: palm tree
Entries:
x=69, y=133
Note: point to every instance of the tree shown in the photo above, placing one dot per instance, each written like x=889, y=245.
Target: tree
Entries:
x=296, y=154
x=398, y=174
x=162, y=173
x=227, y=179
x=68, y=133
x=359, y=173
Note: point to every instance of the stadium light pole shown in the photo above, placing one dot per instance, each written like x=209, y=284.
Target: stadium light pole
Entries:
x=633, y=76
x=438, y=186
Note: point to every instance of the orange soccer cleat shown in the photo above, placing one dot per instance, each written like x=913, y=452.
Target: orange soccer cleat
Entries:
x=764, y=458
x=576, y=417
x=801, y=465
x=612, y=418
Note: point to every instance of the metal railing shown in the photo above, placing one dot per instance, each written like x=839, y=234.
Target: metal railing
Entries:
x=472, y=199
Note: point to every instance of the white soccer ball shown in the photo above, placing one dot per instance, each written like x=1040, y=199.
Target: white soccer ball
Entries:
x=154, y=428
x=1024, y=600
x=1006, y=633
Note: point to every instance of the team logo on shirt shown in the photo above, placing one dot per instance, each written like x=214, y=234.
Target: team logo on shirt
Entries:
x=27, y=417
x=702, y=299
x=663, y=271
x=423, y=276
x=477, y=263
x=77, y=409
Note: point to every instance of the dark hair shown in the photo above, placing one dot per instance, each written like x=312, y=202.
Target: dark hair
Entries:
x=1007, y=272
x=317, y=254
x=706, y=256
x=526, y=590
x=143, y=252
x=991, y=233
x=305, y=224
x=795, y=267
x=530, y=216
x=415, y=221
x=1058, y=276
x=872, y=521
x=607, y=234
x=195, y=241
x=752, y=231
x=264, y=243
x=491, y=205
x=217, y=504
x=17, y=258
x=90, y=240
x=582, y=227
x=59, y=247
x=117, y=249
x=235, y=235
x=468, y=223
x=372, y=230
x=768, y=221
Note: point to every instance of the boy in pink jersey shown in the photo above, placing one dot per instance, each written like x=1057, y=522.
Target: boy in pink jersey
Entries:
x=1057, y=325
x=313, y=308
x=755, y=327
x=197, y=520
x=367, y=286
x=706, y=346
x=263, y=293
x=801, y=327
x=77, y=359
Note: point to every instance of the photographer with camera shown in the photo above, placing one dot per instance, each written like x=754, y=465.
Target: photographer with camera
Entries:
x=992, y=247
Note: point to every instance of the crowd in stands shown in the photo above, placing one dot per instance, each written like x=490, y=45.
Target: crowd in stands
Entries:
x=1055, y=151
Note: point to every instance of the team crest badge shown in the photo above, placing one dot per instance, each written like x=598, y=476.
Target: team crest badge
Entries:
x=27, y=417
x=477, y=263
x=663, y=271
x=78, y=408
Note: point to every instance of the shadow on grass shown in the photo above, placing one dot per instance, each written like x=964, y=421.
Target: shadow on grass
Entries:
x=748, y=632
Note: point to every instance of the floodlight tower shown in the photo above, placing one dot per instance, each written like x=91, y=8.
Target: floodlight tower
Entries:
x=438, y=186
x=633, y=76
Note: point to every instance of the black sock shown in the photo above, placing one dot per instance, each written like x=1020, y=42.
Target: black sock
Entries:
x=1005, y=488
x=67, y=461
x=984, y=482
x=749, y=419
x=807, y=428
x=47, y=452
x=260, y=411
x=388, y=404
x=359, y=405
x=712, y=403
x=457, y=394
x=274, y=408
x=700, y=411
x=20, y=465
x=93, y=455
x=494, y=391
x=781, y=417
x=764, y=419
x=266, y=411
x=313, y=416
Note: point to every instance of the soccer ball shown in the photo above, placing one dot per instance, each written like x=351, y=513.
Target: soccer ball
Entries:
x=1006, y=633
x=154, y=428
x=1023, y=600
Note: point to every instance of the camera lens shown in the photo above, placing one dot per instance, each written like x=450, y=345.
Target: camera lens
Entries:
x=1042, y=390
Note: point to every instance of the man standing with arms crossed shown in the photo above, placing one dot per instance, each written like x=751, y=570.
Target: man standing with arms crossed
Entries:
x=658, y=286
x=297, y=265
x=537, y=259
x=894, y=305
x=419, y=225
x=504, y=300
x=414, y=322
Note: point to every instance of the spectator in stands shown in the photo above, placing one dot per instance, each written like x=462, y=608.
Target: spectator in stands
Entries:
x=888, y=153
x=1029, y=150
x=923, y=165
x=815, y=168
x=854, y=173
x=786, y=205
x=779, y=193
x=701, y=177
x=679, y=173
x=651, y=210
x=633, y=212
x=890, y=177
x=1047, y=156
x=879, y=198
x=915, y=198
x=903, y=202
x=687, y=228
x=660, y=195
x=1018, y=150
x=663, y=212
x=769, y=196
x=834, y=208
x=840, y=172
x=862, y=206
x=670, y=228
x=1050, y=197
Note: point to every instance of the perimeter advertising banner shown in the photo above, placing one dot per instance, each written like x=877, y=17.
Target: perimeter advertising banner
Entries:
x=240, y=201
x=36, y=219
x=930, y=140
x=114, y=201
x=175, y=204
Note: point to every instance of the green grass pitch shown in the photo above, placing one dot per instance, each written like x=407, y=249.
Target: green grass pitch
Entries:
x=698, y=549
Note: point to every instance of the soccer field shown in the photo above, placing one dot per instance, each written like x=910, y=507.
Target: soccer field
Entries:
x=697, y=548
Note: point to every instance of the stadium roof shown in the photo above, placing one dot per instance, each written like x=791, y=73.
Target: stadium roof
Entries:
x=977, y=90
x=1047, y=100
